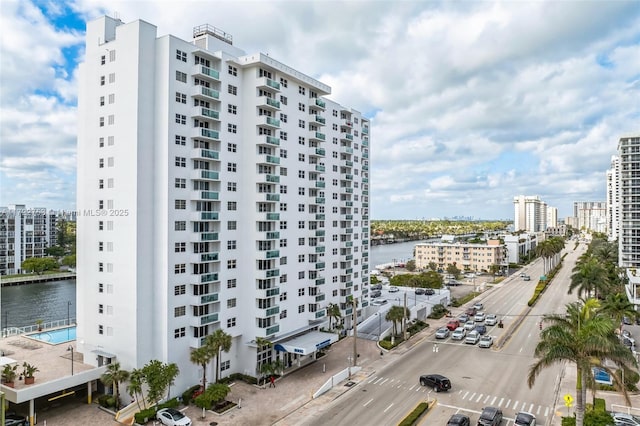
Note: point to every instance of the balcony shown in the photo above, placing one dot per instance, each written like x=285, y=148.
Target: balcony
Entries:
x=206, y=93
x=273, y=330
x=320, y=216
x=208, y=298
x=346, y=122
x=320, y=281
x=267, y=83
x=317, y=120
x=208, y=319
x=209, y=236
x=208, y=278
x=206, y=195
x=208, y=73
x=271, y=292
x=269, y=312
x=346, y=203
x=272, y=273
x=365, y=180
x=348, y=217
x=320, y=249
x=320, y=232
x=365, y=167
x=207, y=216
x=272, y=216
x=346, y=149
x=268, y=103
x=365, y=142
x=272, y=178
x=347, y=230
x=320, y=168
x=272, y=140
x=205, y=175
x=365, y=130
x=272, y=254
x=204, y=154
x=316, y=136
x=320, y=314
x=272, y=197
x=270, y=122
x=207, y=133
x=348, y=177
x=206, y=113
x=272, y=235
x=320, y=265
x=318, y=102
x=346, y=136
x=320, y=200
x=209, y=257
x=320, y=297
x=346, y=190
x=347, y=163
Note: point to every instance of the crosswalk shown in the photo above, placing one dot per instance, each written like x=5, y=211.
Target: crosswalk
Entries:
x=466, y=397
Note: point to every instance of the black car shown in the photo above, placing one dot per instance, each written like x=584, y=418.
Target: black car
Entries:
x=419, y=290
x=429, y=291
x=459, y=420
x=376, y=293
x=438, y=382
x=15, y=420
x=491, y=416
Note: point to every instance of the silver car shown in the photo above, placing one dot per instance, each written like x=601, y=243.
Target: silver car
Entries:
x=459, y=333
x=469, y=325
x=442, y=333
x=472, y=338
x=491, y=319
x=486, y=341
x=624, y=419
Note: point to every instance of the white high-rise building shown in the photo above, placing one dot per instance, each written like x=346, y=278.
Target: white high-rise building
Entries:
x=613, y=198
x=591, y=215
x=530, y=213
x=216, y=190
x=552, y=217
x=629, y=206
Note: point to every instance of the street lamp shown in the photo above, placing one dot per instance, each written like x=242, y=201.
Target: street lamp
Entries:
x=379, y=325
x=70, y=349
x=68, y=319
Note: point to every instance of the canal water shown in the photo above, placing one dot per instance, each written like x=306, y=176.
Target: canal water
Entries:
x=23, y=305
x=387, y=253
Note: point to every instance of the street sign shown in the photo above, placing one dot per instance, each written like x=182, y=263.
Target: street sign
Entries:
x=601, y=376
x=543, y=277
x=568, y=400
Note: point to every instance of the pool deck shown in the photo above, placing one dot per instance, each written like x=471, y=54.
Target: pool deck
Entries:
x=53, y=333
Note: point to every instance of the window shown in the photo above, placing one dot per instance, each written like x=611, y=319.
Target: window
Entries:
x=301, y=190
x=100, y=329
x=179, y=268
x=283, y=207
x=181, y=98
x=232, y=264
x=179, y=332
x=180, y=76
x=283, y=225
x=302, y=90
x=301, y=140
x=283, y=100
x=231, y=303
x=112, y=98
x=232, y=128
x=181, y=183
x=301, y=224
x=232, y=205
x=181, y=162
x=232, y=186
x=100, y=246
x=233, y=71
x=231, y=167
x=111, y=119
x=233, y=90
x=301, y=124
x=180, y=247
x=232, y=109
x=112, y=77
x=301, y=106
x=180, y=225
x=283, y=135
x=181, y=119
x=283, y=189
x=181, y=56
x=103, y=80
x=301, y=208
x=110, y=140
x=100, y=225
x=225, y=365
x=101, y=142
x=232, y=283
x=301, y=176
x=101, y=122
x=301, y=275
x=101, y=163
x=112, y=55
x=301, y=157
x=283, y=243
x=103, y=59
x=283, y=82
x=232, y=225
x=283, y=117
x=283, y=314
x=180, y=204
x=231, y=322
x=301, y=260
x=232, y=147
x=300, y=309
x=180, y=289
x=100, y=288
x=101, y=100
x=179, y=311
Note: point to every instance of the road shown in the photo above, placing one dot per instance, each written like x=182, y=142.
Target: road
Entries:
x=479, y=377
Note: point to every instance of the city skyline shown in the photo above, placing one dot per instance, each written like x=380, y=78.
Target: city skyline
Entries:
x=518, y=99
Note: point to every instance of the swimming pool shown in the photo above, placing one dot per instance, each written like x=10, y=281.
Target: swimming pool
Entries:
x=60, y=335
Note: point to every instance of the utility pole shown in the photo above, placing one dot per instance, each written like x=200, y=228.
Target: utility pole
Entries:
x=404, y=318
x=355, y=330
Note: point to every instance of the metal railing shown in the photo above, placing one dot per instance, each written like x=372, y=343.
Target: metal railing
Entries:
x=17, y=331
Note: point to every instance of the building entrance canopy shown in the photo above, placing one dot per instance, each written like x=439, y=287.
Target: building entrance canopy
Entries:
x=307, y=343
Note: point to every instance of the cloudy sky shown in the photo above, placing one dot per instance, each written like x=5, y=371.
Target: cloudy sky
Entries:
x=471, y=103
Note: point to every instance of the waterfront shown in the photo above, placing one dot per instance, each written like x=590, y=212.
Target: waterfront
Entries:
x=387, y=253
x=23, y=305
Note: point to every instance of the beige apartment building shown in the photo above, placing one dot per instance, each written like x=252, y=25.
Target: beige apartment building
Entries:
x=466, y=257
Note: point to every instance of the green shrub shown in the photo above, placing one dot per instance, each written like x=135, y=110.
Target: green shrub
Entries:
x=172, y=403
x=413, y=416
x=187, y=396
x=385, y=344
x=600, y=405
x=107, y=401
x=214, y=394
x=145, y=415
x=244, y=378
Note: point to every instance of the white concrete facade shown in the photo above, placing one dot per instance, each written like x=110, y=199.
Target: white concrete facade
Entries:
x=629, y=206
x=613, y=199
x=591, y=215
x=216, y=190
x=466, y=257
x=530, y=213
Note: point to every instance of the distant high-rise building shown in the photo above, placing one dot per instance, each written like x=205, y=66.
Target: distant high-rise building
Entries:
x=24, y=233
x=530, y=213
x=613, y=198
x=591, y=215
x=629, y=205
x=217, y=190
x=552, y=217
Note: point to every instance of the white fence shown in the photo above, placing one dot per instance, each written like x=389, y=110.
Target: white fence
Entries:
x=335, y=379
x=16, y=331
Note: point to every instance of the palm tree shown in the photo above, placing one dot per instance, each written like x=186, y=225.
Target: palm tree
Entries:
x=172, y=371
x=216, y=343
x=618, y=306
x=545, y=250
x=201, y=356
x=113, y=377
x=333, y=311
x=584, y=337
x=136, y=379
x=395, y=315
x=589, y=276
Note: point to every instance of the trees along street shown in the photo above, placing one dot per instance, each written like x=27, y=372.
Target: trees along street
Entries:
x=479, y=377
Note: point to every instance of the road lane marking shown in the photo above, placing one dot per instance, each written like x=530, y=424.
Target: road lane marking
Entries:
x=411, y=388
x=494, y=400
x=400, y=385
x=486, y=399
x=368, y=402
x=524, y=405
x=384, y=381
x=472, y=396
x=500, y=403
x=531, y=408
x=388, y=408
x=515, y=405
x=546, y=411
x=378, y=379
x=465, y=395
x=507, y=404
x=479, y=398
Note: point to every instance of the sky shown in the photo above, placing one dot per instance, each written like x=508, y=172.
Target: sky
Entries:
x=471, y=103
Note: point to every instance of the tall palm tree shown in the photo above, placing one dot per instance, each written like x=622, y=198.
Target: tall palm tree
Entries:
x=395, y=314
x=216, y=343
x=136, y=379
x=333, y=312
x=201, y=356
x=171, y=371
x=618, y=306
x=545, y=250
x=589, y=277
x=584, y=337
x=113, y=377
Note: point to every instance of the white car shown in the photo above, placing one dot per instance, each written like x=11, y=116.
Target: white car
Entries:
x=486, y=341
x=379, y=302
x=479, y=317
x=393, y=289
x=478, y=305
x=491, y=319
x=469, y=325
x=626, y=335
x=172, y=417
x=624, y=419
x=459, y=333
x=472, y=338
x=442, y=333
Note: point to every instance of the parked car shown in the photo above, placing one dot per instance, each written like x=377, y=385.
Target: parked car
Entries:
x=469, y=325
x=442, y=333
x=481, y=328
x=429, y=291
x=525, y=419
x=479, y=317
x=626, y=334
x=376, y=286
x=419, y=291
x=172, y=417
x=379, y=302
x=453, y=283
x=472, y=338
x=470, y=275
x=485, y=342
x=12, y=419
x=490, y=416
x=463, y=318
x=478, y=305
x=526, y=278
x=376, y=293
x=459, y=333
x=626, y=321
x=438, y=382
x=453, y=324
x=491, y=319
x=393, y=289
x=459, y=420
x=624, y=419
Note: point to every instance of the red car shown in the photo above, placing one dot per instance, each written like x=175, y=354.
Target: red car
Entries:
x=453, y=324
